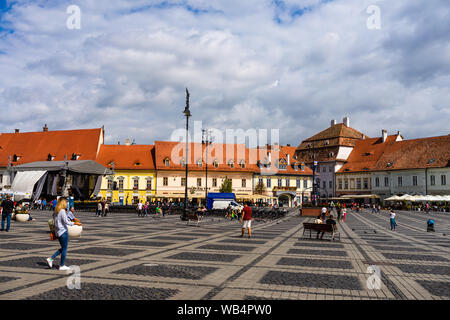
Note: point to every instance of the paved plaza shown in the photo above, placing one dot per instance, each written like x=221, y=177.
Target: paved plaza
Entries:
x=125, y=257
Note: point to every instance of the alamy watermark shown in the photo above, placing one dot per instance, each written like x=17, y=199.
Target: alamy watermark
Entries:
x=232, y=147
x=374, y=20
x=74, y=280
x=374, y=281
x=74, y=20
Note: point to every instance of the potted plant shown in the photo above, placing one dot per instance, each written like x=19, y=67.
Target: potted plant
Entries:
x=21, y=214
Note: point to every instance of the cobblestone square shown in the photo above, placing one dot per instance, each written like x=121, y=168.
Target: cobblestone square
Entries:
x=122, y=256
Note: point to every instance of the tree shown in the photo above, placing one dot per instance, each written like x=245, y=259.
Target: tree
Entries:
x=260, y=188
x=226, y=186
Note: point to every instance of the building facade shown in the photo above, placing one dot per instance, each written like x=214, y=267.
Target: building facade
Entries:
x=134, y=178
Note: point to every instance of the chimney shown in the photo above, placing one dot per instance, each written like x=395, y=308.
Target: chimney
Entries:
x=269, y=157
x=384, y=135
x=288, y=158
x=127, y=142
x=333, y=122
x=16, y=130
x=347, y=121
x=45, y=128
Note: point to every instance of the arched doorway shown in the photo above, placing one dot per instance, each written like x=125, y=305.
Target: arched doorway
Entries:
x=285, y=200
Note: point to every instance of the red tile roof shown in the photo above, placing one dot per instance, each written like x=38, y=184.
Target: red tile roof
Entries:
x=422, y=153
x=36, y=146
x=135, y=157
x=366, y=153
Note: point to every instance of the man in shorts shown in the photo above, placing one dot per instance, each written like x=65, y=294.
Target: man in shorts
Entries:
x=246, y=220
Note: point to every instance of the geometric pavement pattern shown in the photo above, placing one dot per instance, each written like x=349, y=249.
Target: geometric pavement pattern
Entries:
x=122, y=256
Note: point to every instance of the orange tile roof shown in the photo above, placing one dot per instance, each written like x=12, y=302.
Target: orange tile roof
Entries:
x=35, y=146
x=366, y=153
x=125, y=157
x=422, y=153
x=238, y=153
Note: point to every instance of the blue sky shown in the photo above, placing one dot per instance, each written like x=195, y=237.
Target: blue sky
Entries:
x=292, y=65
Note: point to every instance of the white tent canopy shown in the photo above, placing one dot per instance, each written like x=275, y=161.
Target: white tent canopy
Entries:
x=24, y=181
x=417, y=198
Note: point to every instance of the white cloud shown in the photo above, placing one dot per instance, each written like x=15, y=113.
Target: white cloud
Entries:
x=129, y=64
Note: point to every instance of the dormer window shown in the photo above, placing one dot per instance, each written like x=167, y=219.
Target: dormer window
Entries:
x=50, y=157
x=137, y=163
x=308, y=145
x=331, y=155
x=182, y=162
x=215, y=163
x=327, y=142
x=242, y=163
x=75, y=156
x=231, y=163
x=199, y=162
x=166, y=162
x=389, y=164
x=16, y=158
x=430, y=161
x=282, y=165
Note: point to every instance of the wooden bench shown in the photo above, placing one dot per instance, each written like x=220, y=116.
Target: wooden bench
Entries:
x=320, y=227
x=194, y=216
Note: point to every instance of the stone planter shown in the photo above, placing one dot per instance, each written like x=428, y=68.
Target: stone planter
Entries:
x=22, y=217
x=75, y=231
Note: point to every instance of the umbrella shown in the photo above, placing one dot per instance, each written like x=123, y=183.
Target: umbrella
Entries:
x=393, y=198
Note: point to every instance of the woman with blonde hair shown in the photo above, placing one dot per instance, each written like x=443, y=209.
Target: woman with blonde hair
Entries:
x=61, y=223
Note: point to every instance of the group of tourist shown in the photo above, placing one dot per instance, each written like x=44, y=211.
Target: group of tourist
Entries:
x=144, y=208
x=102, y=208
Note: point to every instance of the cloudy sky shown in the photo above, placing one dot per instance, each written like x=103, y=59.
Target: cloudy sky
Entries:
x=292, y=65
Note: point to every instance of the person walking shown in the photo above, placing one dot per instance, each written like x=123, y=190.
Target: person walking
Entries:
x=7, y=209
x=246, y=220
x=44, y=204
x=106, y=208
x=339, y=212
x=61, y=223
x=392, y=219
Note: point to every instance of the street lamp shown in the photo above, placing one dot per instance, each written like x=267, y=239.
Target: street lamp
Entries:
x=206, y=140
x=187, y=113
x=312, y=153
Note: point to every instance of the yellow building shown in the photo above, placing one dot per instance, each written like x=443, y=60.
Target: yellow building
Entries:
x=134, y=176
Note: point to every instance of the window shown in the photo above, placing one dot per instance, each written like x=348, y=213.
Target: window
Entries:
x=305, y=183
x=269, y=183
x=244, y=183
x=183, y=182
x=366, y=183
x=214, y=182
x=182, y=162
x=149, y=184
x=386, y=181
x=215, y=164
x=280, y=182
x=135, y=183
x=324, y=184
x=443, y=180
x=299, y=183
x=1, y=179
x=199, y=182
x=330, y=185
x=346, y=184
x=340, y=184
x=358, y=183
x=377, y=182
x=260, y=181
x=414, y=180
x=166, y=162
x=121, y=184
x=110, y=184
x=324, y=169
x=400, y=181
x=199, y=162
x=231, y=163
x=165, y=181
x=330, y=169
x=432, y=180
x=242, y=164
x=288, y=182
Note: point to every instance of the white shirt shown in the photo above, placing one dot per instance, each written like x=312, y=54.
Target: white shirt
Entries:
x=392, y=215
x=324, y=210
x=61, y=223
x=139, y=205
